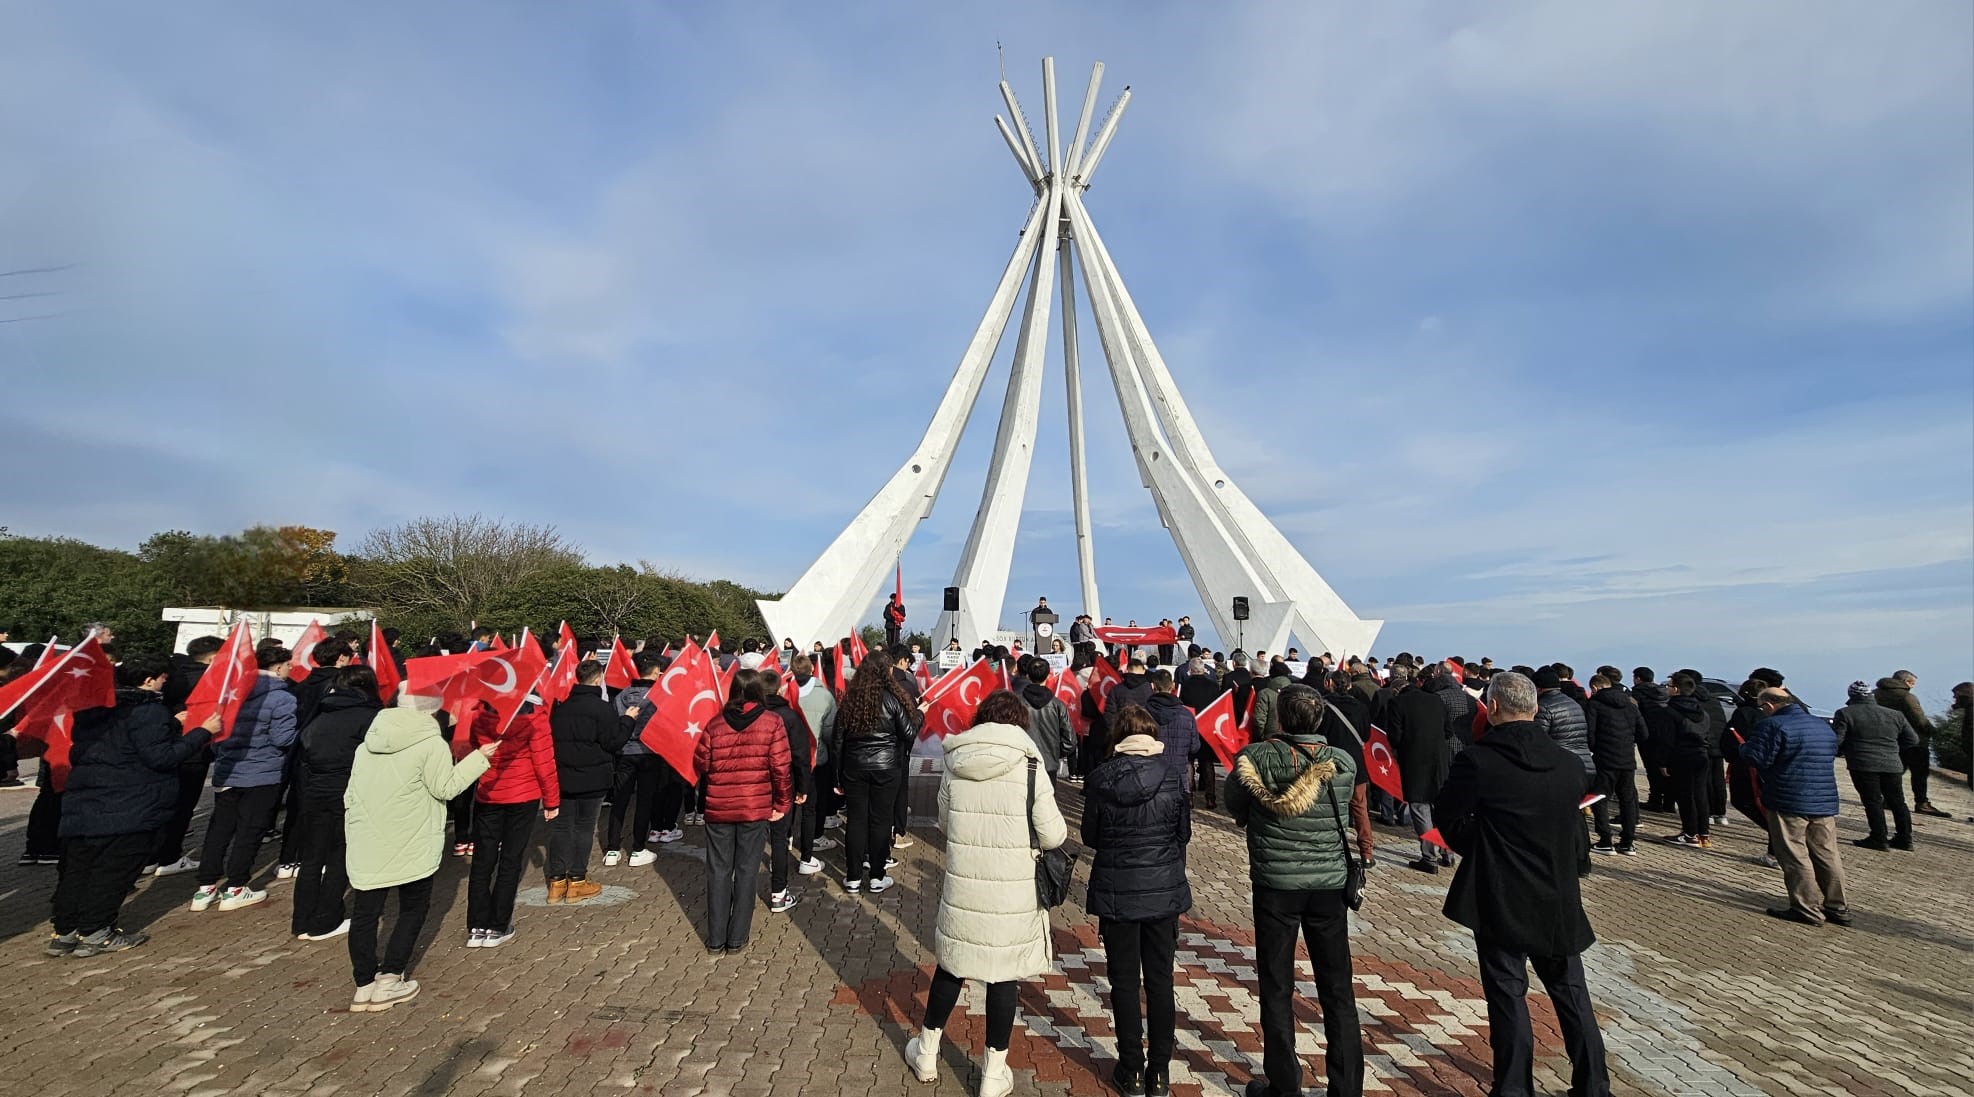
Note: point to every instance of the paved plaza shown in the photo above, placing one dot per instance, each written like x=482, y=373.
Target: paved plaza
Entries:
x=1698, y=992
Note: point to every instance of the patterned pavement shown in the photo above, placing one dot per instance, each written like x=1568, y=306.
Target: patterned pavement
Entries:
x=1698, y=992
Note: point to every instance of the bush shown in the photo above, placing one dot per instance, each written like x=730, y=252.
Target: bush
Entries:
x=1950, y=741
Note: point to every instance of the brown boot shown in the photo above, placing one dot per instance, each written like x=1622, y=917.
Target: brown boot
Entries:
x=558, y=891
x=578, y=890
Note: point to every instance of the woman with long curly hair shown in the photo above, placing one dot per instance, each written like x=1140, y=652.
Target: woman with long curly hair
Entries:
x=872, y=738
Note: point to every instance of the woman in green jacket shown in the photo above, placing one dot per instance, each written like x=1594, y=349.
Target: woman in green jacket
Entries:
x=394, y=822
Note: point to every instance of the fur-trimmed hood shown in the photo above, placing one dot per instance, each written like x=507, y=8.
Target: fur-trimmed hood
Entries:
x=1292, y=801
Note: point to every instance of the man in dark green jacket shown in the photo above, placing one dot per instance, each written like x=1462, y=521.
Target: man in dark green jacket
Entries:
x=1895, y=693
x=1292, y=793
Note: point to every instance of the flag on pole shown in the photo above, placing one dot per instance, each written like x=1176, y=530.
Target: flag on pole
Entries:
x=771, y=662
x=1218, y=728
x=304, y=651
x=1070, y=692
x=1380, y=764
x=619, y=672
x=561, y=676
x=1103, y=679
x=952, y=712
x=857, y=650
x=383, y=664
x=223, y=688
x=684, y=700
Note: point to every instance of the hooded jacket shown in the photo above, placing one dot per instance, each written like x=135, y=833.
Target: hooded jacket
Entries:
x=124, y=764
x=523, y=768
x=1262, y=726
x=1897, y=696
x=395, y=806
x=1136, y=822
x=1049, y=726
x=800, y=742
x=1615, y=728
x=1558, y=716
x=1134, y=689
x=1794, y=752
x=1661, y=726
x=1200, y=690
x=819, y=709
x=1509, y=809
x=1420, y=743
x=257, y=751
x=309, y=693
x=991, y=927
x=632, y=697
x=1178, y=731
x=743, y=763
x=1692, y=733
x=1357, y=712
x=588, y=735
x=1292, y=794
x=1870, y=736
x=329, y=745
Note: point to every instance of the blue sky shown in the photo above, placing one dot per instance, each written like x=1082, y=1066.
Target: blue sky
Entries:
x=1641, y=334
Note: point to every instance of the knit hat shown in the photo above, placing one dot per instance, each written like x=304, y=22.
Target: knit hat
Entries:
x=1859, y=691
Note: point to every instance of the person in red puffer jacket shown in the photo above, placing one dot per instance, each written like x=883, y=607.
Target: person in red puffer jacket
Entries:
x=743, y=763
x=520, y=781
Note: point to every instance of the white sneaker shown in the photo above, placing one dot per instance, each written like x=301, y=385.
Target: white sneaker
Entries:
x=834, y=822
x=902, y=841
x=204, y=897
x=653, y=836
x=667, y=837
x=240, y=898
x=824, y=845
x=809, y=867
x=288, y=871
x=148, y=870
x=853, y=886
x=1720, y=820
x=780, y=902
x=331, y=935
x=496, y=937
x=392, y=989
x=642, y=858
x=183, y=864
x=476, y=938
x=922, y=1055
x=880, y=884
x=611, y=859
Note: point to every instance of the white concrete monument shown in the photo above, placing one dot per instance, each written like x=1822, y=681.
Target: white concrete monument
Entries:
x=1230, y=548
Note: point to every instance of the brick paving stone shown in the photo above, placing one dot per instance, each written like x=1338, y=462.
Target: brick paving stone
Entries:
x=1697, y=992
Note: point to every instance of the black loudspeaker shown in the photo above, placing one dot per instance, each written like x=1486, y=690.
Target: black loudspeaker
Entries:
x=1240, y=608
x=952, y=599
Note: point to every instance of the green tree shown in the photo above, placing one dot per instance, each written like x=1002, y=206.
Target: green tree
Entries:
x=54, y=586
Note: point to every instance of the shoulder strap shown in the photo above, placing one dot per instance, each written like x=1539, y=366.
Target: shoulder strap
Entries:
x=1343, y=840
x=1028, y=809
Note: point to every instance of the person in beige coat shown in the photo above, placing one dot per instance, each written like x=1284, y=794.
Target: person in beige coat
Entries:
x=991, y=925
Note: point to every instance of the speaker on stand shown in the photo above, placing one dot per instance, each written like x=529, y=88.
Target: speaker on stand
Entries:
x=953, y=607
x=1240, y=615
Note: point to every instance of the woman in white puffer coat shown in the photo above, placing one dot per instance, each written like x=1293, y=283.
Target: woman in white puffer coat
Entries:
x=991, y=926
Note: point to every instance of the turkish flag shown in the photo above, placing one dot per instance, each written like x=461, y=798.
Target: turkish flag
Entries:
x=1380, y=764
x=952, y=711
x=1132, y=637
x=771, y=662
x=1433, y=837
x=496, y=643
x=1070, y=692
x=1103, y=679
x=223, y=688
x=1246, y=722
x=619, y=672
x=561, y=677
x=724, y=679
x=501, y=679
x=304, y=649
x=946, y=682
x=383, y=664
x=50, y=695
x=924, y=675
x=712, y=641
x=1221, y=732
x=857, y=649
x=684, y=700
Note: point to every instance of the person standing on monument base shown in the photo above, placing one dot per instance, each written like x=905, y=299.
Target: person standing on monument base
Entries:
x=1509, y=808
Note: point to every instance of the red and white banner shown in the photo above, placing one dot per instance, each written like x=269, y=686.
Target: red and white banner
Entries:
x=50, y=695
x=225, y=685
x=1131, y=637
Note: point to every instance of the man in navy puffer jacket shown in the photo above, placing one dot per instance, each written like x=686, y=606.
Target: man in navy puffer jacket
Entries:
x=1796, y=754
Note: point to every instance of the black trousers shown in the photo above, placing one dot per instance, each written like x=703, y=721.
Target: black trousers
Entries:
x=1139, y=955
x=502, y=837
x=1689, y=788
x=1620, y=788
x=1322, y=920
x=1717, y=787
x=945, y=994
x=1657, y=788
x=570, y=835
x=733, y=864
x=671, y=798
x=171, y=838
x=414, y=899
x=1918, y=762
x=294, y=814
x=1504, y=981
x=1879, y=791
x=240, y=816
x=325, y=870
x=638, y=777
x=869, y=806
x=459, y=812
x=96, y=874
x=780, y=831
x=44, y=821
x=901, y=808
x=1206, y=777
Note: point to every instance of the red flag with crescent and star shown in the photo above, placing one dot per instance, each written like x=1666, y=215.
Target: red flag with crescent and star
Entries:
x=952, y=711
x=1103, y=679
x=1221, y=732
x=383, y=664
x=1380, y=764
x=619, y=672
x=49, y=696
x=223, y=688
x=561, y=676
x=500, y=679
x=304, y=651
x=1069, y=691
x=684, y=700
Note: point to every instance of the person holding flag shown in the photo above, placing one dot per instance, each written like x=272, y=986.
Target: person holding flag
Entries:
x=123, y=784
x=894, y=614
x=588, y=734
x=1422, y=747
x=520, y=783
x=639, y=774
x=248, y=763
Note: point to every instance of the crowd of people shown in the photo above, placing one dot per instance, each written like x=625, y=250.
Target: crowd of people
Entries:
x=1492, y=768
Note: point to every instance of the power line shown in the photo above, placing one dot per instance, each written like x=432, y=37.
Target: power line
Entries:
x=37, y=270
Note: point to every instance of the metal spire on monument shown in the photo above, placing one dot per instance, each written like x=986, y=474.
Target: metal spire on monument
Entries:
x=1228, y=546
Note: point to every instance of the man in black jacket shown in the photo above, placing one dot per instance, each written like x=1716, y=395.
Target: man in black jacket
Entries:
x=169, y=854
x=1176, y=727
x=1654, y=746
x=1423, y=749
x=588, y=735
x=802, y=781
x=123, y=782
x=1615, y=728
x=1510, y=809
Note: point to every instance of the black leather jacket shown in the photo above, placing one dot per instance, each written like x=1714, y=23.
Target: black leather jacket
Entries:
x=878, y=753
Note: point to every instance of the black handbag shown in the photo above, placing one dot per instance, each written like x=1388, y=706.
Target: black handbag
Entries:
x=1054, y=866
x=1353, y=869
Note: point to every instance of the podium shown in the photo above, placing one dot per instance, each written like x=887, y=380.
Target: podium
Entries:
x=1044, y=624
